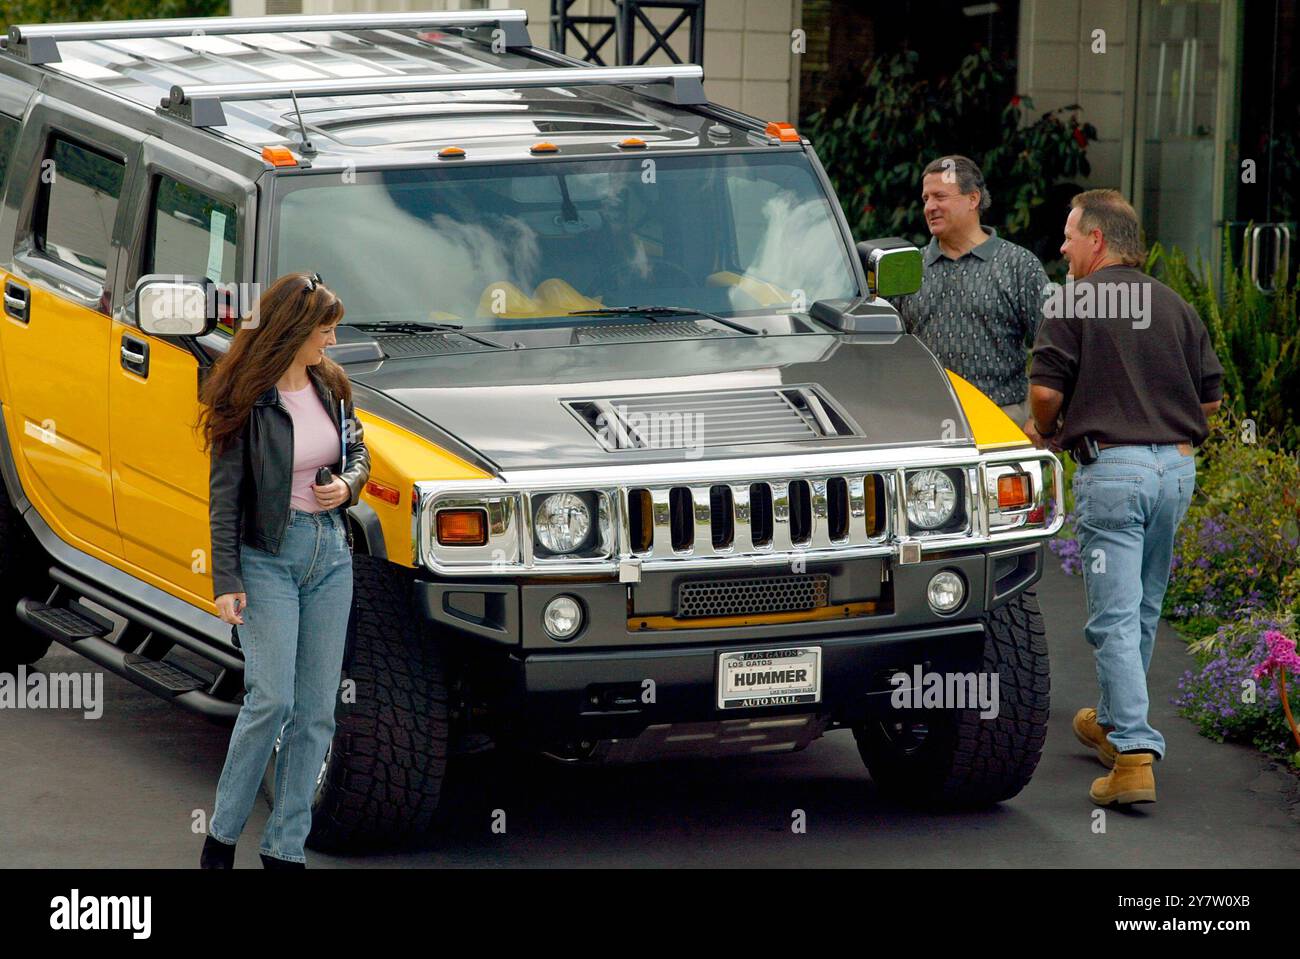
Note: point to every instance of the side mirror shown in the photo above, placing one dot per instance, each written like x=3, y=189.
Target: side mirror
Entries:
x=170, y=305
x=893, y=266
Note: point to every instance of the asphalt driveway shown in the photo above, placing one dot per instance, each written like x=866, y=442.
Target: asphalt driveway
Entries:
x=124, y=790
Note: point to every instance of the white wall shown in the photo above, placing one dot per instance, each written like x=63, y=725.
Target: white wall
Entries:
x=1058, y=67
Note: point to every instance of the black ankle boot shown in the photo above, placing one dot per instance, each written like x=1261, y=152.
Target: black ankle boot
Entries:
x=270, y=862
x=217, y=855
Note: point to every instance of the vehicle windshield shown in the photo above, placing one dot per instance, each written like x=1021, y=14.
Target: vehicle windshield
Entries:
x=507, y=245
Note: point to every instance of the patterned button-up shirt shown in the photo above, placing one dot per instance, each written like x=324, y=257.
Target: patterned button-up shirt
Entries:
x=979, y=313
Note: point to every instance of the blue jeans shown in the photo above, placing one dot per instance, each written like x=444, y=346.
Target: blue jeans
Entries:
x=1128, y=505
x=293, y=637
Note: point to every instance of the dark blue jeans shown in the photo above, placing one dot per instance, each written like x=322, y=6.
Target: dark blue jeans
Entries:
x=293, y=637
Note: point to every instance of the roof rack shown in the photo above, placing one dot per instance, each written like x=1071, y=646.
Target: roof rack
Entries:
x=200, y=104
x=39, y=43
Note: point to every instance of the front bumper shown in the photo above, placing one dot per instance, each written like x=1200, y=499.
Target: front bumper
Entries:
x=593, y=687
x=593, y=696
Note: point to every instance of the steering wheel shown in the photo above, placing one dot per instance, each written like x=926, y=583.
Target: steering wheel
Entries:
x=658, y=263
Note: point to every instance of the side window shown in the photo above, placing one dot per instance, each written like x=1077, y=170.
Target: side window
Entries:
x=191, y=233
x=8, y=137
x=81, y=194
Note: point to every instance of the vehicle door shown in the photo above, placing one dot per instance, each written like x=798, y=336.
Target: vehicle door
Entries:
x=189, y=218
x=55, y=332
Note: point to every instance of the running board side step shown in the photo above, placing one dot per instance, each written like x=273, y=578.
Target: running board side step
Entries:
x=85, y=632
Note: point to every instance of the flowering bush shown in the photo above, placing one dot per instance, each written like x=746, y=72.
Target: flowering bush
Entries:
x=1229, y=697
x=1240, y=541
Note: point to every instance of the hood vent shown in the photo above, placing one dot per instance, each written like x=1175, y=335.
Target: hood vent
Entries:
x=717, y=418
x=402, y=345
x=675, y=330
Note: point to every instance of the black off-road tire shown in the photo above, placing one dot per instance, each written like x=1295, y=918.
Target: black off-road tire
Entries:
x=23, y=566
x=384, y=770
x=963, y=760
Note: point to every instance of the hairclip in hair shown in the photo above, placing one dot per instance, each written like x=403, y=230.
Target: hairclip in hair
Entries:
x=312, y=281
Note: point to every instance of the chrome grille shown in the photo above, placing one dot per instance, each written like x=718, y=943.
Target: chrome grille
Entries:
x=773, y=516
x=739, y=597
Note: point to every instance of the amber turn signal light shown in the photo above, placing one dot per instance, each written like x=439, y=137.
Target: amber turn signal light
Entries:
x=462, y=527
x=543, y=147
x=1014, y=491
x=450, y=153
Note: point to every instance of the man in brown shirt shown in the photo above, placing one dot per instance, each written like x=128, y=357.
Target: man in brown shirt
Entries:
x=1123, y=375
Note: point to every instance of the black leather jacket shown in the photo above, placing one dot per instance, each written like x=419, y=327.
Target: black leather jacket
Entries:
x=251, y=482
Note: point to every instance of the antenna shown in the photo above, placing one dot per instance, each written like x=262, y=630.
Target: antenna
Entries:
x=307, y=149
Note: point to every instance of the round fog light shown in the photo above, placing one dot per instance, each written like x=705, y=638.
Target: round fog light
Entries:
x=562, y=617
x=946, y=591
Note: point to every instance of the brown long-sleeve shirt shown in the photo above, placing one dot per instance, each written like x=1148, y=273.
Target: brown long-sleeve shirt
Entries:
x=1134, y=360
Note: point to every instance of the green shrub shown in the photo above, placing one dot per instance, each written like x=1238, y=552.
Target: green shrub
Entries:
x=874, y=151
x=1255, y=334
x=65, y=11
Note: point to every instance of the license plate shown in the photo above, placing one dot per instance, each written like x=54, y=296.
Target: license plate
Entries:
x=769, y=677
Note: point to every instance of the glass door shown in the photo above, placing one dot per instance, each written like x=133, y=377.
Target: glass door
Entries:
x=1265, y=183
x=1186, y=62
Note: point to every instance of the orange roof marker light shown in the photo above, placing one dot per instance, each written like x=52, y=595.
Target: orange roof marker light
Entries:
x=279, y=156
x=450, y=153
x=543, y=147
x=784, y=132
x=632, y=143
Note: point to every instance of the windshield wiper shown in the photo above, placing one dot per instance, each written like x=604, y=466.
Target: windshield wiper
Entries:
x=651, y=312
x=410, y=326
x=416, y=326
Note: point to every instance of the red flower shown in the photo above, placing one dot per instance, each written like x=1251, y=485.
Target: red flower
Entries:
x=1079, y=138
x=868, y=208
x=1015, y=100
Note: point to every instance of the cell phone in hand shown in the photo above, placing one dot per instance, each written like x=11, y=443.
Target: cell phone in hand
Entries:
x=324, y=476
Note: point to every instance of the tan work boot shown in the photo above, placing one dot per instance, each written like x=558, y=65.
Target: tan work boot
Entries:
x=1091, y=734
x=1130, y=781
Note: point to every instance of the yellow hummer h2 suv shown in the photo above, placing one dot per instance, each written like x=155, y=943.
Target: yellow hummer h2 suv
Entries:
x=655, y=468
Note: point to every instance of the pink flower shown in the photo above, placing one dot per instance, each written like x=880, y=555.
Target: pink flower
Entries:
x=1281, y=653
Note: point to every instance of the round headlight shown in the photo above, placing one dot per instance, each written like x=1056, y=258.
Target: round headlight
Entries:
x=946, y=591
x=562, y=522
x=931, y=498
x=562, y=618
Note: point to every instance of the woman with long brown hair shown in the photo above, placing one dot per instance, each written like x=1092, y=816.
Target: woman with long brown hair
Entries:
x=277, y=417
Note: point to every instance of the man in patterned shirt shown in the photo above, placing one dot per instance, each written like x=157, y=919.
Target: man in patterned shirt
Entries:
x=981, y=297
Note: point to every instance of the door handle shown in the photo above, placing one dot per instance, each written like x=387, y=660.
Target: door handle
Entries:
x=17, y=301
x=135, y=355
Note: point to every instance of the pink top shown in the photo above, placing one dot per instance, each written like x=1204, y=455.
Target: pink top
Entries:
x=315, y=444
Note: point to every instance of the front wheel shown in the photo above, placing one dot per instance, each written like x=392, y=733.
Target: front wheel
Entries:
x=953, y=756
x=383, y=772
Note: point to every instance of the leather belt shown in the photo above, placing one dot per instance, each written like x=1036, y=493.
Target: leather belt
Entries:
x=1184, y=448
